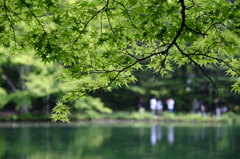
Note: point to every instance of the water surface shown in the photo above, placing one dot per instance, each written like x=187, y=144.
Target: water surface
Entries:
x=118, y=141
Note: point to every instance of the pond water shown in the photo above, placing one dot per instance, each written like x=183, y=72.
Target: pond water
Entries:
x=118, y=141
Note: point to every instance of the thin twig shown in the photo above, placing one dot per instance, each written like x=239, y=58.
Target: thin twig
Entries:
x=86, y=24
x=10, y=21
x=187, y=55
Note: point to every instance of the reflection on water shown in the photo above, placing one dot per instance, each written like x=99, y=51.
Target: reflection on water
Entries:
x=170, y=135
x=156, y=134
x=199, y=133
x=221, y=137
x=118, y=142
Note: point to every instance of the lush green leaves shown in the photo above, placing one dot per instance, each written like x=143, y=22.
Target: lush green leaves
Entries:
x=90, y=106
x=104, y=42
x=61, y=112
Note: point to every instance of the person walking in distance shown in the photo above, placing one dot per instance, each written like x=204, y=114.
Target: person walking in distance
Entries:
x=153, y=103
x=170, y=105
x=159, y=107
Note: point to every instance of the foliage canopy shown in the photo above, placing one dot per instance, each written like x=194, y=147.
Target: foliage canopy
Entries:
x=101, y=43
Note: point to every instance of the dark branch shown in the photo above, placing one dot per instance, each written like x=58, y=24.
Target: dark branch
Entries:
x=109, y=21
x=86, y=24
x=10, y=21
x=43, y=29
x=161, y=52
x=124, y=7
x=215, y=58
x=161, y=67
x=194, y=62
x=193, y=4
x=28, y=7
x=182, y=24
x=232, y=30
x=196, y=32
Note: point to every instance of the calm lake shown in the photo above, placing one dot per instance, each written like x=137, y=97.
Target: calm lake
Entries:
x=118, y=141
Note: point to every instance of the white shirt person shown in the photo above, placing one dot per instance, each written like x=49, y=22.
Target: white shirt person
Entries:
x=170, y=105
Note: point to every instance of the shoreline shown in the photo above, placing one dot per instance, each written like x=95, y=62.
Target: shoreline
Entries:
x=109, y=122
x=123, y=117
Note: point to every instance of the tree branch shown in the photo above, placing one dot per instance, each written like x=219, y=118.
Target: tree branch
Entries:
x=127, y=13
x=215, y=58
x=196, y=32
x=161, y=67
x=10, y=21
x=86, y=24
x=28, y=7
x=161, y=52
x=187, y=55
x=43, y=29
x=14, y=89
